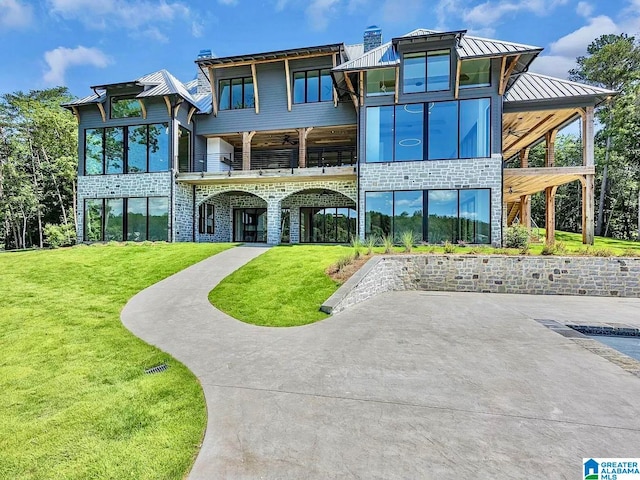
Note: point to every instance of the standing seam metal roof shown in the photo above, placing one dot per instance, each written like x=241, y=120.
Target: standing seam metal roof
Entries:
x=534, y=87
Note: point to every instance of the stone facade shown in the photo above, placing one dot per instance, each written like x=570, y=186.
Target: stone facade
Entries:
x=594, y=276
x=440, y=174
x=121, y=186
x=273, y=196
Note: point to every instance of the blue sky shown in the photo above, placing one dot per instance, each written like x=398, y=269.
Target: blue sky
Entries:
x=79, y=43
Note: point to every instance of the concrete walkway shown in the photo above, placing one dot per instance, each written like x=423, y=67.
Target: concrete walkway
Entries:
x=406, y=385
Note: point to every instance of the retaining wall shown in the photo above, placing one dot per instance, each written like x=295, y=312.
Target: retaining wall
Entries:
x=594, y=276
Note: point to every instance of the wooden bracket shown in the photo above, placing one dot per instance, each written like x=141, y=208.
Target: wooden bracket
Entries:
x=287, y=75
x=256, y=101
x=505, y=72
x=102, y=112
x=458, y=69
x=168, y=104
x=192, y=110
x=143, y=108
x=214, y=92
x=76, y=113
x=352, y=90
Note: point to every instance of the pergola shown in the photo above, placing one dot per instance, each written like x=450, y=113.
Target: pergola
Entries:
x=535, y=108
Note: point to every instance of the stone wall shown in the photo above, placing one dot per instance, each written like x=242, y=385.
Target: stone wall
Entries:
x=594, y=276
x=440, y=174
x=121, y=186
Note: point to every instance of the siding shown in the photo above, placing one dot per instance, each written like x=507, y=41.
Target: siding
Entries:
x=273, y=104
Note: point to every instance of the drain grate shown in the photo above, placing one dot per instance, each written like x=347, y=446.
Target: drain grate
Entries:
x=606, y=330
x=157, y=369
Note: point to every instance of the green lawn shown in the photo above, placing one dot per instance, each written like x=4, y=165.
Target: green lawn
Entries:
x=74, y=401
x=283, y=287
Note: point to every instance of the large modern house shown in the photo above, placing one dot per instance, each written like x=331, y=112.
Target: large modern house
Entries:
x=323, y=143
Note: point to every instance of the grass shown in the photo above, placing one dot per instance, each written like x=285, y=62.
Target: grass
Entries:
x=284, y=287
x=74, y=402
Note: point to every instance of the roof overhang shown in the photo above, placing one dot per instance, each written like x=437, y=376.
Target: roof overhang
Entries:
x=290, y=54
x=527, y=181
x=429, y=37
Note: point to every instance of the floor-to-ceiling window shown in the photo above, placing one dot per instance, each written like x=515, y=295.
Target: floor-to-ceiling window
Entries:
x=327, y=224
x=250, y=225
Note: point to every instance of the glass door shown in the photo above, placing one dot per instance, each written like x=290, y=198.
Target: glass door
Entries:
x=250, y=225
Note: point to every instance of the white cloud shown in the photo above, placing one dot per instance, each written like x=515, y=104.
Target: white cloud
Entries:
x=154, y=33
x=584, y=9
x=197, y=29
x=319, y=13
x=61, y=58
x=14, y=14
x=130, y=14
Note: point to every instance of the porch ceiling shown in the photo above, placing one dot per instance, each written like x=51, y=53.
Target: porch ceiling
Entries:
x=527, y=181
x=523, y=129
x=341, y=135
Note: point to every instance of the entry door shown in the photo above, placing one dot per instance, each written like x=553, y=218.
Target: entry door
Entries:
x=250, y=225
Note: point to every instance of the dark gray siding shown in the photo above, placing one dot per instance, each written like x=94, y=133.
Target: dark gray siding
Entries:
x=273, y=103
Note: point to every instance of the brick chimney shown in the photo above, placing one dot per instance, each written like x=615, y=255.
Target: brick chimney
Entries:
x=372, y=37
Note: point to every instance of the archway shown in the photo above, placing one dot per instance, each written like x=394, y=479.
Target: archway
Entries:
x=232, y=216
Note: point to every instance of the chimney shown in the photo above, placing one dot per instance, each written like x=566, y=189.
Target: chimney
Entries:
x=203, y=76
x=372, y=37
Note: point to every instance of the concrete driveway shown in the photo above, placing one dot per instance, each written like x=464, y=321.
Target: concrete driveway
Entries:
x=407, y=385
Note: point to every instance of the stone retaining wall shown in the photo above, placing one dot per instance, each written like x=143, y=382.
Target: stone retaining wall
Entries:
x=594, y=276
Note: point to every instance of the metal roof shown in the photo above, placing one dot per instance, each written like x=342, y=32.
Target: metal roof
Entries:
x=154, y=84
x=276, y=55
x=533, y=87
x=468, y=47
x=353, y=51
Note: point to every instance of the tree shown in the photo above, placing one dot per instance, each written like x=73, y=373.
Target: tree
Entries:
x=612, y=62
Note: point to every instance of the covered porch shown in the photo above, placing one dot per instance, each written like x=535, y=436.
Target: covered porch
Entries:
x=536, y=108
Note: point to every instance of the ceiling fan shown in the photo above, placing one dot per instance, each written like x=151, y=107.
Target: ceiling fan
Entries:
x=288, y=140
x=515, y=133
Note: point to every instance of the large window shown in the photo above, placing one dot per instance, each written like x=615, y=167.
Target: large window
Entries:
x=327, y=225
x=184, y=149
x=446, y=130
x=206, y=218
x=123, y=107
x=133, y=219
x=451, y=215
x=236, y=93
x=426, y=72
x=475, y=73
x=133, y=149
x=312, y=86
x=381, y=81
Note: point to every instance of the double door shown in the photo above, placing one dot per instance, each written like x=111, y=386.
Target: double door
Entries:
x=250, y=225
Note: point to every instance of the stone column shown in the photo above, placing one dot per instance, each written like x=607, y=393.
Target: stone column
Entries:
x=294, y=224
x=274, y=214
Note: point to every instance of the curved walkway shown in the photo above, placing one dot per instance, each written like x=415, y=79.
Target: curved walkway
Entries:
x=405, y=385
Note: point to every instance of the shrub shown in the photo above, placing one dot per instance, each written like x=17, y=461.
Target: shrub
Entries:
x=371, y=242
x=407, y=239
x=344, y=261
x=357, y=245
x=548, y=249
x=517, y=236
x=631, y=252
x=387, y=243
x=448, y=247
x=602, y=252
x=59, y=235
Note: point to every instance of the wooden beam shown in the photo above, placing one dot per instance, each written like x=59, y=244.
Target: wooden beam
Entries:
x=256, y=101
x=335, y=92
x=507, y=73
x=525, y=211
x=287, y=75
x=246, y=149
x=550, y=148
x=524, y=157
x=361, y=88
x=503, y=68
x=143, y=108
x=303, y=133
x=214, y=92
x=457, y=90
x=76, y=113
x=588, y=149
x=397, y=92
x=588, y=209
x=352, y=90
x=550, y=215
x=270, y=60
x=177, y=109
x=530, y=132
x=168, y=104
x=102, y=112
x=192, y=110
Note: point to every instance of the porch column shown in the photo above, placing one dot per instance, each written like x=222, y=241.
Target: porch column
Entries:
x=588, y=186
x=274, y=214
x=550, y=192
x=246, y=149
x=302, y=146
x=525, y=200
x=294, y=225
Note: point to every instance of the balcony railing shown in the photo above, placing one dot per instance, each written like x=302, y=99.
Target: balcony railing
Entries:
x=276, y=159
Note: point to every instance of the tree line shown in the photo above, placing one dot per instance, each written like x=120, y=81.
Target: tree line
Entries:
x=39, y=160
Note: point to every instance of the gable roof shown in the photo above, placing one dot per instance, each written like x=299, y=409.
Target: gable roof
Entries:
x=534, y=87
x=468, y=47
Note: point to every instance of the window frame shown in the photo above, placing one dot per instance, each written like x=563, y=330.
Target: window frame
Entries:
x=230, y=106
x=379, y=94
x=306, y=88
x=478, y=85
x=425, y=54
x=118, y=98
x=206, y=211
x=425, y=127
x=125, y=220
x=425, y=209
x=125, y=150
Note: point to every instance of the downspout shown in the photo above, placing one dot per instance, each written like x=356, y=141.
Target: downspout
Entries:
x=193, y=214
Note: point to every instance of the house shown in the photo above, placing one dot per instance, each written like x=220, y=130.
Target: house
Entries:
x=319, y=144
